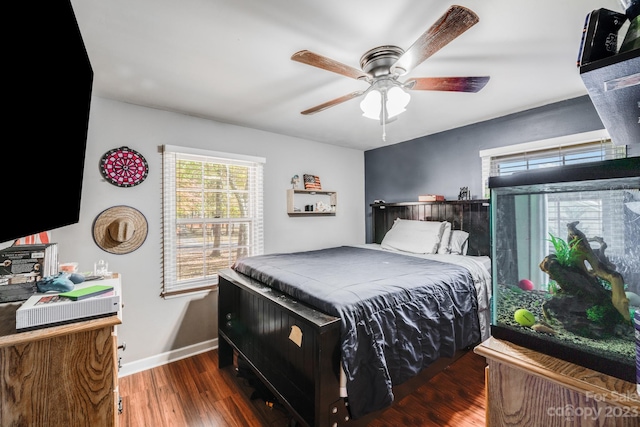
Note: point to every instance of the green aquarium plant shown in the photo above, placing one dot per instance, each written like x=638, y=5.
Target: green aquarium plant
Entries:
x=605, y=315
x=567, y=254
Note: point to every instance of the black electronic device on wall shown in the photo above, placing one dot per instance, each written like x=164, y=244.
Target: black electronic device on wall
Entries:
x=611, y=73
x=47, y=92
x=600, y=35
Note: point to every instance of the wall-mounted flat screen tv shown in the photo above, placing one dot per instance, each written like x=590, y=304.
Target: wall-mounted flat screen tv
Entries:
x=46, y=94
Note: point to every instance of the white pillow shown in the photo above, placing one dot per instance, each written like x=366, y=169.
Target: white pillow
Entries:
x=418, y=237
x=459, y=242
x=443, y=247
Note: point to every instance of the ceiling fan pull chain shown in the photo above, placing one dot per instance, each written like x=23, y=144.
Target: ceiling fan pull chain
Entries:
x=384, y=114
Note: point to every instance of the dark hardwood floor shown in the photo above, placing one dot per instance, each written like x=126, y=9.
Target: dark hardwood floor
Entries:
x=194, y=392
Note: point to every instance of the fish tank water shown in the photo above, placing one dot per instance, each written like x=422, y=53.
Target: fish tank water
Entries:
x=565, y=245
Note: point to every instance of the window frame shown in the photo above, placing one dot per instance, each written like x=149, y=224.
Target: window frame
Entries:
x=172, y=286
x=556, y=149
x=566, y=142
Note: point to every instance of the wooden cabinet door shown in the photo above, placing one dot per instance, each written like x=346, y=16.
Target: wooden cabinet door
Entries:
x=68, y=380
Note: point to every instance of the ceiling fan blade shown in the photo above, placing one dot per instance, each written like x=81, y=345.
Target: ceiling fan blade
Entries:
x=451, y=84
x=315, y=60
x=454, y=22
x=332, y=103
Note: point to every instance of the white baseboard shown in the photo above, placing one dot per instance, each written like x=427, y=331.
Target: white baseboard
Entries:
x=168, y=357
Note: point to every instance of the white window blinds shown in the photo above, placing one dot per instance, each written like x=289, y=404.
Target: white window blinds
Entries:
x=582, y=148
x=593, y=209
x=212, y=215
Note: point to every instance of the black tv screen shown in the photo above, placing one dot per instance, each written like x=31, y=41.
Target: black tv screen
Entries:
x=47, y=87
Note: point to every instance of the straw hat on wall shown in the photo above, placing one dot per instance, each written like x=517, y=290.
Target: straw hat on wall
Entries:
x=120, y=229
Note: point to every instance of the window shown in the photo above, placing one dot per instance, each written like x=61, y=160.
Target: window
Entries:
x=572, y=149
x=592, y=208
x=212, y=215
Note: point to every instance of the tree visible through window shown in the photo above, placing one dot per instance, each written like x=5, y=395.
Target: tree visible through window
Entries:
x=212, y=215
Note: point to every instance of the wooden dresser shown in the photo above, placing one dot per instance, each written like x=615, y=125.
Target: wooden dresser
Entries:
x=527, y=388
x=59, y=376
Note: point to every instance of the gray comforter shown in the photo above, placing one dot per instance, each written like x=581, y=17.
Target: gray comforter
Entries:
x=398, y=313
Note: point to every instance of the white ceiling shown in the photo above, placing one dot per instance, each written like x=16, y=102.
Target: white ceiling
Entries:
x=229, y=61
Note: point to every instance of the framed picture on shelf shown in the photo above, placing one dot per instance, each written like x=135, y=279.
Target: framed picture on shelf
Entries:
x=312, y=182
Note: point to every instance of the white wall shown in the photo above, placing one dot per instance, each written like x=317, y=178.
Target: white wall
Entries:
x=155, y=329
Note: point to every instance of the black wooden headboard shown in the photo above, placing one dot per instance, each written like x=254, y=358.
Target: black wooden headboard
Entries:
x=471, y=216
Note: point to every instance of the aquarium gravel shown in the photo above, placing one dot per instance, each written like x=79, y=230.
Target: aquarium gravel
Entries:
x=512, y=298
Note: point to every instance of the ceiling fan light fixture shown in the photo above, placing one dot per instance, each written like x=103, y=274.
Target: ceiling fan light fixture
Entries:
x=387, y=97
x=371, y=105
x=397, y=100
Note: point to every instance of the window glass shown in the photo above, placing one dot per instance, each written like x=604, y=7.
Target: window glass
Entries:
x=212, y=215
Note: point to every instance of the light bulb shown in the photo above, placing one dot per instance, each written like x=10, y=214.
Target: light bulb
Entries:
x=371, y=105
x=397, y=100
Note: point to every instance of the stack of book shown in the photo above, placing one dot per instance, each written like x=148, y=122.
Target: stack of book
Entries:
x=431, y=198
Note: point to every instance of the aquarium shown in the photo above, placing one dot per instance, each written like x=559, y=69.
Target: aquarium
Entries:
x=565, y=245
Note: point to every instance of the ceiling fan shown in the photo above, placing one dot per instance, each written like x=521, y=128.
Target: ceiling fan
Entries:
x=381, y=67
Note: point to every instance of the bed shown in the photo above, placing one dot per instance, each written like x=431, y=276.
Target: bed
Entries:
x=332, y=332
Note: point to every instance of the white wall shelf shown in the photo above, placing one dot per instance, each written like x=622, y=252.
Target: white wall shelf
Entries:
x=297, y=199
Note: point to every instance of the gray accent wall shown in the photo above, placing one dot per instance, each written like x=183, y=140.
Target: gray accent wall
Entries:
x=442, y=163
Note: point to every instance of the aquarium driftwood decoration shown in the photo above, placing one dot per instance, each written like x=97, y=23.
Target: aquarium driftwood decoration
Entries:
x=583, y=304
x=601, y=267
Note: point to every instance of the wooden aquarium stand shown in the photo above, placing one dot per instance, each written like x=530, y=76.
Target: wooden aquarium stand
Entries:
x=525, y=387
